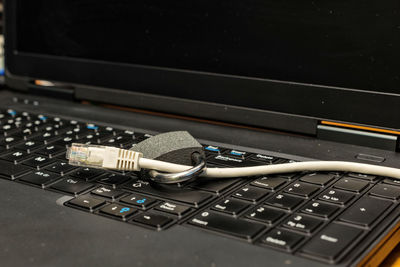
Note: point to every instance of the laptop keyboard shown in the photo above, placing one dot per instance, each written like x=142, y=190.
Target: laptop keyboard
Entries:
x=314, y=215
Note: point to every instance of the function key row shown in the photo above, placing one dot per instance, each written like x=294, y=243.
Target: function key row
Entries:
x=234, y=157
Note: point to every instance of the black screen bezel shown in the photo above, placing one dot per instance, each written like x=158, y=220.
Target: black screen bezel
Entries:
x=315, y=101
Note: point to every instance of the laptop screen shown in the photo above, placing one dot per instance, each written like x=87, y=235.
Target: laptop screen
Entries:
x=335, y=43
x=334, y=60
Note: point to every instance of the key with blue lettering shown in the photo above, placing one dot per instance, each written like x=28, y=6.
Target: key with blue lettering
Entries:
x=116, y=210
x=237, y=153
x=91, y=126
x=138, y=200
x=211, y=150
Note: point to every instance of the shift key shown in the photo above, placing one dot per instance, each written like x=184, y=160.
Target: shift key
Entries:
x=188, y=196
x=228, y=225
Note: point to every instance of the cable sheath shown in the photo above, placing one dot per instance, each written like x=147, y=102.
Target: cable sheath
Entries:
x=341, y=166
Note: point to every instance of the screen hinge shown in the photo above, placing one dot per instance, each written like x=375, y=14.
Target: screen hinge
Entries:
x=51, y=89
x=357, y=135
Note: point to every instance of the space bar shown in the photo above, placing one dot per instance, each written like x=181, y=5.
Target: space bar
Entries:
x=189, y=196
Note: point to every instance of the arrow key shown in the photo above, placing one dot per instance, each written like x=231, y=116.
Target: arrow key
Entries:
x=117, y=210
x=152, y=220
x=138, y=200
x=86, y=202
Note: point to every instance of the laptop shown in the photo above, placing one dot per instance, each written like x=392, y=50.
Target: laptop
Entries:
x=255, y=82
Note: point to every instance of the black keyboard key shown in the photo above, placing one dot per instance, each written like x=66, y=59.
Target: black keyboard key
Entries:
x=152, y=220
x=367, y=177
x=72, y=185
x=318, y=178
x=236, y=153
x=350, y=184
x=65, y=141
x=108, y=130
x=75, y=124
x=386, y=191
x=117, y=210
x=88, y=139
x=228, y=225
x=392, y=181
x=271, y=183
x=230, y=161
x=231, y=206
x=8, y=129
x=319, y=209
x=16, y=156
x=331, y=241
x=29, y=146
x=189, y=196
x=60, y=167
x=281, y=239
x=284, y=201
x=26, y=132
x=302, y=223
x=46, y=137
x=107, y=192
x=288, y=176
x=213, y=150
x=52, y=150
x=10, y=141
x=265, y=215
x=40, y=178
x=92, y=127
x=336, y=196
x=12, y=171
x=139, y=200
x=101, y=136
x=301, y=189
x=87, y=173
x=265, y=159
x=113, y=179
x=214, y=185
x=119, y=141
x=365, y=211
x=133, y=135
x=87, y=202
x=78, y=132
x=38, y=161
x=250, y=193
x=42, y=118
x=69, y=133
x=94, y=138
x=175, y=209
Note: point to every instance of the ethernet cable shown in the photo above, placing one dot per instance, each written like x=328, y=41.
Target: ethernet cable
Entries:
x=104, y=157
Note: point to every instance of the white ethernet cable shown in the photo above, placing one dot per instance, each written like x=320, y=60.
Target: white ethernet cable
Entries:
x=113, y=158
